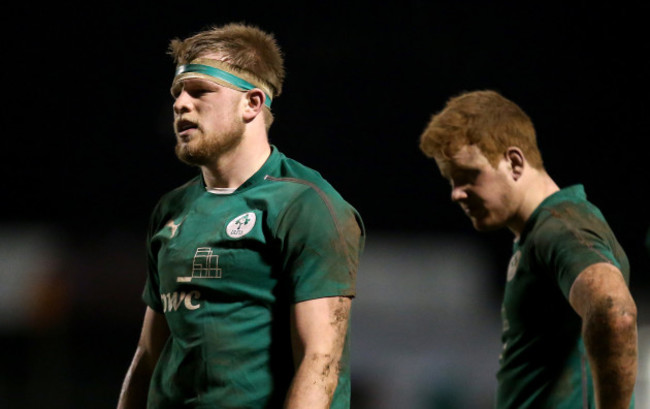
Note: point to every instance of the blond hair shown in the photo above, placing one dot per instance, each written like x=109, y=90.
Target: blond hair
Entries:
x=246, y=48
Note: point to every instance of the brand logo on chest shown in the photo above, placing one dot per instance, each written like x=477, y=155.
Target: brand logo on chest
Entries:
x=173, y=227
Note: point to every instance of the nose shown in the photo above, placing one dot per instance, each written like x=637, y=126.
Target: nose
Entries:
x=458, y=193
x=182, y=103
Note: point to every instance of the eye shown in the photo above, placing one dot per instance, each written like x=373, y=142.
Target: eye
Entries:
x=176, y=91
x=194, y=88
x=464, y=177
x=198, y=92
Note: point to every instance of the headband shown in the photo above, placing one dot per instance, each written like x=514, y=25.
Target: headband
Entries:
x=221, y=73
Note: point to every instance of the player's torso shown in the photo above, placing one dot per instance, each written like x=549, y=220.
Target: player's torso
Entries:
x=216, y=257
x=219, y=284
x=542, y=362
x=222, y=265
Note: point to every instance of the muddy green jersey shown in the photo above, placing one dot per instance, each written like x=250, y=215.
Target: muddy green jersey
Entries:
x=543, y=362
x=225, y=269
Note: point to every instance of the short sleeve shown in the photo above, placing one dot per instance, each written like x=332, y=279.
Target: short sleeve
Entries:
x=322, y=239
x=568, y=247
x=151, y=292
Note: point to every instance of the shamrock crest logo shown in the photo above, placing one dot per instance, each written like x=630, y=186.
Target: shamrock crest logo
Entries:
x=241, y=225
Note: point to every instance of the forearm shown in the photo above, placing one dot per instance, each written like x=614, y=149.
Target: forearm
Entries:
x=610, y=336
x=319, y=329
x=314, y=383
x=136, y=383
x=135, y=388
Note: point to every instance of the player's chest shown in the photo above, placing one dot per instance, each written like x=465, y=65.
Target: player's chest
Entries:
x=531, y=295
x=216, y=247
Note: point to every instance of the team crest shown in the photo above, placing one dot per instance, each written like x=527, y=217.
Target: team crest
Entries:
x=513, y=265
x=241, y=225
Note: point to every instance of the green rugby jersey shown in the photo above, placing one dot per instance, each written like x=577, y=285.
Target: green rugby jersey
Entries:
x=224, y=269
x=543, y=363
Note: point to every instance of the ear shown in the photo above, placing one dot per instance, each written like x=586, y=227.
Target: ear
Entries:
x=254, y=104
x=516, y=161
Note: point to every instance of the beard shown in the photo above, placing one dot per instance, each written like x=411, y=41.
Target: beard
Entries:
x=204, y=148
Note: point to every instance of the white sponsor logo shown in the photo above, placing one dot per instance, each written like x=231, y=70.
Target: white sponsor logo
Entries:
x=241, y=225
x=204, y=265
x=173, y=301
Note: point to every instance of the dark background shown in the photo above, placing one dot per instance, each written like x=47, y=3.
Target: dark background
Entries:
x=88, y=143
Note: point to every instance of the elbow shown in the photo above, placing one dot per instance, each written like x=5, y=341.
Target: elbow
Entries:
x=623, y=314
x=614, y=321
x=625, y=318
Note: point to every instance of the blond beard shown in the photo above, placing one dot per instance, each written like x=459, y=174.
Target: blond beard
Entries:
x=203, y=149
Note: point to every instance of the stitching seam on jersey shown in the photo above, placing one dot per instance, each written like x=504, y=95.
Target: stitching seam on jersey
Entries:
x=327, y=202
x=578, y=235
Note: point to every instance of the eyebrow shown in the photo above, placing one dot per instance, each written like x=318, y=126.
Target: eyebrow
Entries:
x=194, y=83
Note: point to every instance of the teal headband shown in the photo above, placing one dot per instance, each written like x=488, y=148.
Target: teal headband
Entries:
x=222, y=75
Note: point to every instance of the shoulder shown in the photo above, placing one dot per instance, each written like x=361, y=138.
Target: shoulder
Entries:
x=304, y=197
x=175, y=199
x=180, y=193
x=578, y=220
x=303, y=183
x=574, y=232
x=569, y=235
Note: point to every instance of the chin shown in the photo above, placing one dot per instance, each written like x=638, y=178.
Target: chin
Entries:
x=189, y=156
x=483, y=225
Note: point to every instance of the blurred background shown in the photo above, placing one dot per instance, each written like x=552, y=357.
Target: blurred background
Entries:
x=89, y=150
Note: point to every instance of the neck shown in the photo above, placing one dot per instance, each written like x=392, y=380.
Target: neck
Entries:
x=232, y=168
x=534, y=190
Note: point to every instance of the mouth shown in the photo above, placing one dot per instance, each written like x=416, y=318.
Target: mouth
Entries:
x=470, y=211
x=185, y=127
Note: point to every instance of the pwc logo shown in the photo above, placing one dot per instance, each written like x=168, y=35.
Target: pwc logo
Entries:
x=174, y=301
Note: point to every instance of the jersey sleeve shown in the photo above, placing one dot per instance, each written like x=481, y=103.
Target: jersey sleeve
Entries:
x=151, y=292
x=322, y=238
x=568, y=246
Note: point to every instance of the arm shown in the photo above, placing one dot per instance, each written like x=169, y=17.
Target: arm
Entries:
x=602, y=299
x=152, y=340
x=318, y=329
